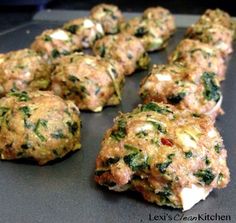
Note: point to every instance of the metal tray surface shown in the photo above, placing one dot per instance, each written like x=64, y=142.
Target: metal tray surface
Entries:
x=66, y=192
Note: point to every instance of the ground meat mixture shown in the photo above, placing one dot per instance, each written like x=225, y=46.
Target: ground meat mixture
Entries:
x=52, y=44
x=198, y=55
x=37, y=126
x=170, y=156
x=125, y=49
x=86, y=30
x=109, y=16
x=23, y=69
x=91, y=82
x=184, y=88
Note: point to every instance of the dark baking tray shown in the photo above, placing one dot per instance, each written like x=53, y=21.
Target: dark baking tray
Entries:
x=65, y=191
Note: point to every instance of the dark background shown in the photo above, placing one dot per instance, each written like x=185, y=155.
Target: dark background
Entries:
x=16, y=12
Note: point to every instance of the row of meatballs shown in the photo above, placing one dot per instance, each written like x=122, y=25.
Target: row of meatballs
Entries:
x=45, y=125
x=168, y=148
x=191, y=79
x=92, y=82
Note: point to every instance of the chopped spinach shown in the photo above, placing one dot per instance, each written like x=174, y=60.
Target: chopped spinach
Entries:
x=155, y=107
x=73, y=127
x=217, y=148
x=163, y=166
x=212, y=90
x=207, y=161
x=176, y=98
x=58, y=134
x=111, y=160
x=206, y=176
x=55, y=53
x=43, y=123
x=136, y=161
x=25, y=110
x=188, y=154
x=73, y=78
x=141, y=31
x=47, y=38
x=120, y=132
x=102, y=50
x=158, y=126
x=141, y=134
x=21, y=95
x=131, y=148
x=26, y=146
x=72, y=29
x=165, y=194
x=3, y=111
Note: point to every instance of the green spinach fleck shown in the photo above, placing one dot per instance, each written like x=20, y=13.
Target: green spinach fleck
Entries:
x=21, y=95
x=163, y=166
x=120, y=132
x=206, y=176
x=155, y=107
x=188, y=154
x=43, y=123
x=72, y=29
x=212, y=90
x=176, y=98
x=58, y=134
x=73, y=127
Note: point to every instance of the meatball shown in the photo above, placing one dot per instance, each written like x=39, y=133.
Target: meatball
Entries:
x=160, y=14
x=124, y=48
x=37, y=126
x=109, y=16
x=53, y=43
x=86, y=30
x=198, y=55
x=23, y=69
x=91, y=82
x=153, y=34
x=171, y=157
x=217, y=16
x=184, y=88
x=213, y=34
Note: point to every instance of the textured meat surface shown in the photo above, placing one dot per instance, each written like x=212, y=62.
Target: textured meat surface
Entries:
x=23, y=69
x=109, y=16
x=126, y=49
x=38, y=126
x=91, y=82
x=159, y=151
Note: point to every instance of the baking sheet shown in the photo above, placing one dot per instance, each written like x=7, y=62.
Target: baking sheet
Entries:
x=66, y=192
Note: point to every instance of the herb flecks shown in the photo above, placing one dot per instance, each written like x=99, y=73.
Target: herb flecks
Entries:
x=163, y=166
x=120, y=132
x=40, y=123
x=156, y=108
x=212, y=90
x=206, y=176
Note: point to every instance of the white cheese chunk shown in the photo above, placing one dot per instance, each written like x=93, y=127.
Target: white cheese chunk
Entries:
x=186, y=140
x=222, y=46
x=88, y=23
x=60, y=35
x=191, y=196
x=99, y=28
x=163, y=77
x=212, y=133
x=145, y=127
